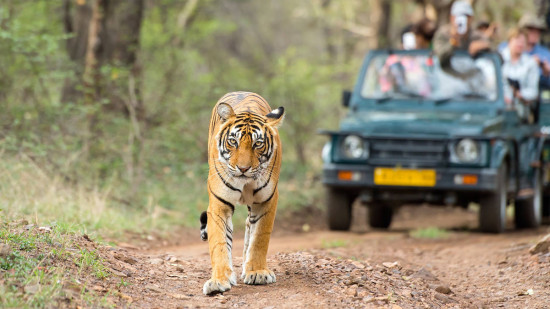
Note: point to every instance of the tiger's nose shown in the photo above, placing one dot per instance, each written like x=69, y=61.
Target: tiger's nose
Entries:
x=243, y=169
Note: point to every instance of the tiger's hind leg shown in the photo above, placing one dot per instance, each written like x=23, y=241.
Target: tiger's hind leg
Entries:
x=259, y=225
x=220, y=242
x=204, y=221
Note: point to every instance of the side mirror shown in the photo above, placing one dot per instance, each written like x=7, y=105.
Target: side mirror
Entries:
x=346, y=97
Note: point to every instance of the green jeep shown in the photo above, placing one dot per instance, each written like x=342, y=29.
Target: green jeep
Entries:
x=416, y=133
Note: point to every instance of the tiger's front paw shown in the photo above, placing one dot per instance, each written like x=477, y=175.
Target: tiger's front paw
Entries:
x=214, y=286
x=264, y=276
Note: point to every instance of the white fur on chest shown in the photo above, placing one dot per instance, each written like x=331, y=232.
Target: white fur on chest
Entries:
x=246, y=195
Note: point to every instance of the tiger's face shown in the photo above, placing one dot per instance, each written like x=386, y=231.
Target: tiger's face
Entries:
x=246, y=142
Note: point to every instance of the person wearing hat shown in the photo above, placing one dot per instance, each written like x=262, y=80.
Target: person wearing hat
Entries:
x=521, y=75
x=457, y=35
x=534, y=27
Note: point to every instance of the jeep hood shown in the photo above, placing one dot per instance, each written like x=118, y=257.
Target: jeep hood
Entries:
x=433, y=123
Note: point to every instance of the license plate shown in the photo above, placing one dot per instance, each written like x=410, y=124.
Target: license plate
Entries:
x=404, y=177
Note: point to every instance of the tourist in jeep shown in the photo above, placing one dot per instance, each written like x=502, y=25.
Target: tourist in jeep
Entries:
x=424, y=31
x=458, y=35
x=521, y=76
x=534, y=27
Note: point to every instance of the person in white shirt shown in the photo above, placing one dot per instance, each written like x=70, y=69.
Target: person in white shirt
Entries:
x=521, y=75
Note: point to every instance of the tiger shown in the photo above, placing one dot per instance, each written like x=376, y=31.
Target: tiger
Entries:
x=244, y=159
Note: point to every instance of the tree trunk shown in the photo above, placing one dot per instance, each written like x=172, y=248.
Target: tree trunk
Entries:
x=328, y=33
x=76, y=21
x=381, y=20
x=113, y=27
x=104, y=50
x=91, y=60
x=384, y=24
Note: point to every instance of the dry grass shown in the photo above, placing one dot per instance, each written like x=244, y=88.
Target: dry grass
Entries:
x=29, y=192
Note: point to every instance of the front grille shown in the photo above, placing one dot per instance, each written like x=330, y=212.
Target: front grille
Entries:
x=407, y=152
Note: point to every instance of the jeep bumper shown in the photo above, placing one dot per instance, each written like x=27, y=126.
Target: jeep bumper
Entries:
x=446, y=179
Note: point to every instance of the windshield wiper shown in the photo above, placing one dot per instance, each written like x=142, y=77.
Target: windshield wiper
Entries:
x=442, y=100
x=473, y=95
x=383, y=99
x=413, y=95
x=460, y=97
x=408, y=95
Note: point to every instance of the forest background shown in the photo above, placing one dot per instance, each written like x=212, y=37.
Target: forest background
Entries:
x=105, y=104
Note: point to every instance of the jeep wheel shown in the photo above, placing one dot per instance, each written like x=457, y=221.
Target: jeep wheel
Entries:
x=339, y=209
x=492, y=211
x=380, y=216
x=528, y=212
x=546, y=209
x=545, y=198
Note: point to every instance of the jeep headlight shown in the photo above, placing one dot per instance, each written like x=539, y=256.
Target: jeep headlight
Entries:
x=467, y=151
x=354, y=147
x=325, y=154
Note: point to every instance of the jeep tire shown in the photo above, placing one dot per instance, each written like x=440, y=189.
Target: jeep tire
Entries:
x=492, y=210
x=546, y=209
x=338, y=209
x=528, y=212
x=380, y=216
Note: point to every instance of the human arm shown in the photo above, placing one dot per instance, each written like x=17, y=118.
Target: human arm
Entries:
x=478, y=46
x=529, y=84
x=544, y=64
x=479, y=42
x=444, y=46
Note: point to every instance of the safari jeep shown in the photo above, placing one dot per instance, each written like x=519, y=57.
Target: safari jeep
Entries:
x=416, y=133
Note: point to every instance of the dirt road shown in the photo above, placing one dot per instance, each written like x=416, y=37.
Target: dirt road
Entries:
x=360, y=269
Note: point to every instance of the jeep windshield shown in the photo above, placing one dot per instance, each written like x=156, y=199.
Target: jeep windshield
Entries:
x=419, y=76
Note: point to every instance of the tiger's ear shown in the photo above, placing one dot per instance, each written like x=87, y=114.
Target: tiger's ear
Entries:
x=225, y=111
x=275, y=117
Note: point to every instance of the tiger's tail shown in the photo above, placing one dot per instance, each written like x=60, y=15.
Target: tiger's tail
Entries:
x=204, y=219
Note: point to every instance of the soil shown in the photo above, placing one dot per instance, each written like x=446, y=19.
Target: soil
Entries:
x=364, y=268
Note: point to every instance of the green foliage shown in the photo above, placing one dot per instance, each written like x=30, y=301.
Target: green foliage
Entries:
x=430, y=233
x=337, y=243
x=36, y=268
x=122, y=283
x=90, y=261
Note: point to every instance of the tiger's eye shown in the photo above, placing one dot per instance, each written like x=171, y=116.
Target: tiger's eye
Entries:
x=232, y=142
x=258, y=144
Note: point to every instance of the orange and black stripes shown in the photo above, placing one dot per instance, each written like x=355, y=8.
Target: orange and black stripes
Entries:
x=258, y=189
x=225, y=182
x=244, y=157
x=231, y=206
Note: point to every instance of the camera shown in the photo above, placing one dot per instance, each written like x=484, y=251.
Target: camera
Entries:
x=461, y=23
x=514, y=83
